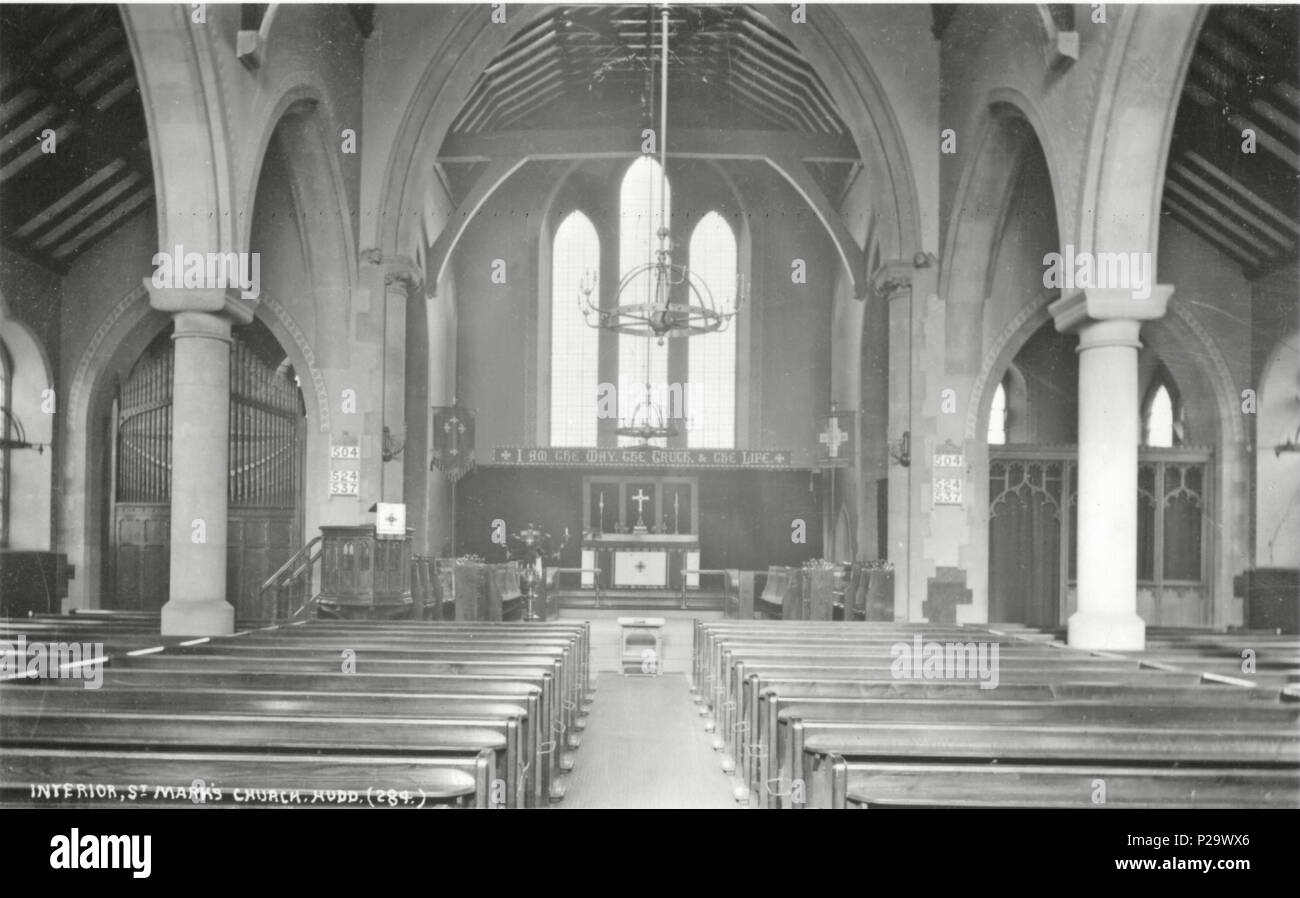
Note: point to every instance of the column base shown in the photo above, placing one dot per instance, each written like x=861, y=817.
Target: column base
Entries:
x=1116, y=632
x=210, y=617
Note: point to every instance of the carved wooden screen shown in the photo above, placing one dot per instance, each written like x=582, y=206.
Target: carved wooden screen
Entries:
x=265, y=477
x=1027, y=536
x=1033, y=518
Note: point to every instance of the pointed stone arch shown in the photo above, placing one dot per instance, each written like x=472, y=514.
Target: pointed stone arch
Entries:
x=189, y=140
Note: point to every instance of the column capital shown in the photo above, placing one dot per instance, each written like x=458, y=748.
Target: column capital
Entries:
x=892, y=280
x=225, y=301
x=1095, y=304
x=201, y=325
x=401, y=273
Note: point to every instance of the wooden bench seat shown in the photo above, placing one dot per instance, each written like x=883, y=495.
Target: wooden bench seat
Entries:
x=1098, y=747
x=245, y=701
x=571, y=673
x=28, y=777
x=563, y=714
x=374, y=736
x=550, y=729
x=574, y=633
x=867, y=784
x=786, y=724
x=281, y=688
x=739, y=711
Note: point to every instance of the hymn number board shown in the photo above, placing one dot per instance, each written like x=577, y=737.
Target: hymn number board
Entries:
x=949, y=468
x=345, y=465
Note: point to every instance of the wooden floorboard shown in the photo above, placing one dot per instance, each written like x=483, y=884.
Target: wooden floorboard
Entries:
x=645, y=747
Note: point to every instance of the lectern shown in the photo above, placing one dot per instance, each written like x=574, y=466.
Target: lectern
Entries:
x=365, y=575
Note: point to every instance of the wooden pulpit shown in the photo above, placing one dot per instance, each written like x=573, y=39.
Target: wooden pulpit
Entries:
x=365, y=575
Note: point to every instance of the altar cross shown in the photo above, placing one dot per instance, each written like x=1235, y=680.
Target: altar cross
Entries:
x=832, y=437
x=640, y=499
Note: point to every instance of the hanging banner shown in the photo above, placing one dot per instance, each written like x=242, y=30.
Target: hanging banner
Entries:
x=835, y=440
x=453, y=441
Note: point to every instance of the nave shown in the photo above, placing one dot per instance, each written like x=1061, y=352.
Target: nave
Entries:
x=800, y=714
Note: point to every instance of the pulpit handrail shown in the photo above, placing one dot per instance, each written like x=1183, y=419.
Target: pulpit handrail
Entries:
x=292, y=570
x=293, y=559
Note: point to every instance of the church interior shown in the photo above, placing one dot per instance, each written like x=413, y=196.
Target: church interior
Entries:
x=650, y=406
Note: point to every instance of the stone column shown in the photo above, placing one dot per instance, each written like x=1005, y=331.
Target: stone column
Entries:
x=200, y=477
x=1108, y=322
x=402, y=281
x=892, y=284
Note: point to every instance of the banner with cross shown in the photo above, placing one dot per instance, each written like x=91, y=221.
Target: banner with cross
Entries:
x=453, y=441
x=835, y=440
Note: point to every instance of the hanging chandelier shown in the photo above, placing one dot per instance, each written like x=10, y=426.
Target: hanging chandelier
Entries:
x=659, y=298
x=647, y=422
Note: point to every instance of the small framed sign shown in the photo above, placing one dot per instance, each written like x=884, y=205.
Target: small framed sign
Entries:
x=345, y=461
x=390, y=519
x=949, y=470
x=345, y=483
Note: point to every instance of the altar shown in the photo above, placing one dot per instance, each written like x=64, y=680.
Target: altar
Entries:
x=639, y=532
x=641, y=560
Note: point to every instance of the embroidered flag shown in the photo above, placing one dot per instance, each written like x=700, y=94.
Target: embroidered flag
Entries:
x=835, y=440
x=453, y=441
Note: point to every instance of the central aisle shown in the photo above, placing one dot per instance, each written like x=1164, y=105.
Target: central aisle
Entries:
x=645, y=747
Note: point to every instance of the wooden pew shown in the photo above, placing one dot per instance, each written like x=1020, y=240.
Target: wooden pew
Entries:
x=367, y=653
x=828, y=750
x=837, y=700
x=579, y=631
x=570, y=645
x=412, y=646
x=552, y=634
x=387, y=737
x=737, y=711
x=34, y=777
x=799, y=719
x=505, y=600
x=866, y=662
x=272, y=703
x=423, y=658
x=744, y=720
x=868, y=784
x=511, y=684
x=257, y=673
x=550, y=727
x=1033, y=674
